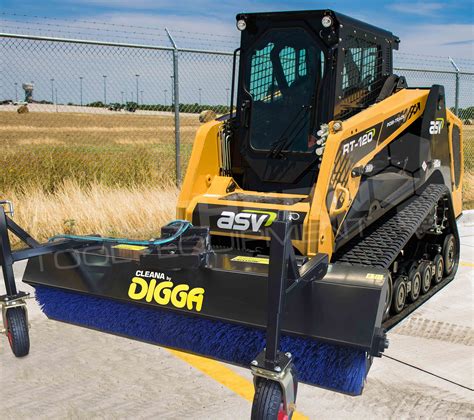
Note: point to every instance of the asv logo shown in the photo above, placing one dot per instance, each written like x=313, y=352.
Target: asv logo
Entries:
x=436, y=126
x=246, y=220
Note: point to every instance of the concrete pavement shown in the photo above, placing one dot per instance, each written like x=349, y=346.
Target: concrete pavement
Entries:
x=76, y=373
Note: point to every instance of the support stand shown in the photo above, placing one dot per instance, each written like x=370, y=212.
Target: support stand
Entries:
x=284, y=276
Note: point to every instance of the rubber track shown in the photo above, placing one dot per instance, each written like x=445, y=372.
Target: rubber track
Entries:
x=385, y=238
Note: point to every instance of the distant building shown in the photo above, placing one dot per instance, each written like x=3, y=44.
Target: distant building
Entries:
x=28, y=88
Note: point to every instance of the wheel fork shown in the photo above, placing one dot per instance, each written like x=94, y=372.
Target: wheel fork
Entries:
x=283, y=373
x=10, y=302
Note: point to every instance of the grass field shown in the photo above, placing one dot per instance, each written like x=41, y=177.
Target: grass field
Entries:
x=43, y=149
x=106, y=174
x=133, y=212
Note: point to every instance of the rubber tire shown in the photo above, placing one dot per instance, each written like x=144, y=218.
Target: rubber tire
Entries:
x=267, y=400
x=17, y=331
x=438, y=262
x=426, y=277
x=415, y=278
x=399, y=287
x=446, y=245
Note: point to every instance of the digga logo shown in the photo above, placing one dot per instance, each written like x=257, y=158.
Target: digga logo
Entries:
x=166, y=292
x=246, y=220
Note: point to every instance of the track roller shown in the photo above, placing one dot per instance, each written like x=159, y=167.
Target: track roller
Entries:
x=399, y=295
x=388, y=298
x=426, y=276
x=438, y=263
x=414, y=278
x=449, y=254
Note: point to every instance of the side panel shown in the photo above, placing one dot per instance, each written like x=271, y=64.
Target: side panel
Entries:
x=362, y=137
x=420, y=152
x=457, y=160
x=203, y=165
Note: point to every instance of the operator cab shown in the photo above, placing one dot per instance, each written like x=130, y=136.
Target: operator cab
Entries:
x=297, y=71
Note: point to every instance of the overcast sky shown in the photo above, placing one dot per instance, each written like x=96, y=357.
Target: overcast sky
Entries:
x=437, y=28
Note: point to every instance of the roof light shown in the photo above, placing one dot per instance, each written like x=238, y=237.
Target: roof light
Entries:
x=241, y=25
x=326, y=21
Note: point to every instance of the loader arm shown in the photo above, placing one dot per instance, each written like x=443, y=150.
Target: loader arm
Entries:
x=361, y=138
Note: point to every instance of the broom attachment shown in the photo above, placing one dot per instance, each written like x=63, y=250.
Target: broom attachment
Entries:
x=311, y=324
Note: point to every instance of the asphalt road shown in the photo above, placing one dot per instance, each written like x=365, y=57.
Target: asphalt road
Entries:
x=74, y=373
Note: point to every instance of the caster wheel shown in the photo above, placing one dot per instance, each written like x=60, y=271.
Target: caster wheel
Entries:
x=426, y=276
x=449, y=254
x=399, y=295
x=268, y=402
x=438, y=263
x=17, y=331
x=415, y=279
x=388, y=298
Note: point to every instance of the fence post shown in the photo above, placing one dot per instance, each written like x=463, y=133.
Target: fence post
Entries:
x=456, y=99
x=177, y=129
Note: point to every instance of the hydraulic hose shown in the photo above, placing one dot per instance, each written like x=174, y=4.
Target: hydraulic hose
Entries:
x=184, y=226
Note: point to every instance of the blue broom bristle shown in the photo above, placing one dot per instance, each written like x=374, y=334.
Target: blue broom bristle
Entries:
x=339, y=368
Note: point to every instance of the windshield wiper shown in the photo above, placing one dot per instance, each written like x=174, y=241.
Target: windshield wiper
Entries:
x=286, y=141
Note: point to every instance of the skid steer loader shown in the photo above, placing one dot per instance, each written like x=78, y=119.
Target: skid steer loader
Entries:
x=311, y=220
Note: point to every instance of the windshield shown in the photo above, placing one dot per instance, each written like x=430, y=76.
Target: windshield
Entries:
x=284, y=70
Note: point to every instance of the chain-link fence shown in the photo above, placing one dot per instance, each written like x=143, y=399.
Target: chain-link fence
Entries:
x=104, y=111
x=459, y=88
x=124, y=114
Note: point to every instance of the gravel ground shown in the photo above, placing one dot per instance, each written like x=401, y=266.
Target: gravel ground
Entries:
x=76, y=373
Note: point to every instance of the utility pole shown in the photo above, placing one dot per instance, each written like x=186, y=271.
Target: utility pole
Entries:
x=200, y=99
x=52, y=90
x=227, y=92
x=16, y=91
x=121, y=92
x=137, y=76
x=80, y=82
x=166, y=100
x=56, y=98
x=105, y=89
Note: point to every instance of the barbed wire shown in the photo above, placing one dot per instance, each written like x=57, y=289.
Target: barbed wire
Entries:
x=114, y=24
x=114, y=31
x=61, y=32
x=82, y=27
x=187, y=38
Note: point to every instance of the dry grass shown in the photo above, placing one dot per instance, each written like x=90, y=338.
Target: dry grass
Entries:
x=136, y=212
x=468, y=142
x=468, y=190
x=44, y=149
x=105, y=174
